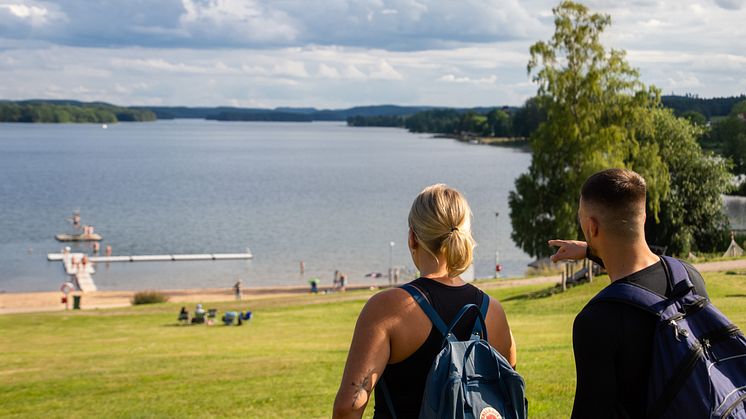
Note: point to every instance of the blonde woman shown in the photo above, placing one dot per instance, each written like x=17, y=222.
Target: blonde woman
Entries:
x=394, y=338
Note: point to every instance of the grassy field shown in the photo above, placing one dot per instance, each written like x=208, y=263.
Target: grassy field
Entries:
x=138, y=362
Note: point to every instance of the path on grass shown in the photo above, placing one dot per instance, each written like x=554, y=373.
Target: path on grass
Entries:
x=27, y=302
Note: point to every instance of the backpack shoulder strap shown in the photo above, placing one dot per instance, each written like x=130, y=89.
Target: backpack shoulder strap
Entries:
x=482, y=309
x=643, y=298
x=425, y=305
x=680, y=282
x=634, y=295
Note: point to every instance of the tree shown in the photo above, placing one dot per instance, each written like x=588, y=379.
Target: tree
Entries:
x=691, y=215
x=599, y=115
x=528, y=118
x=695, y=118
x=739, y=110
x=499, y=123
x=596, y=107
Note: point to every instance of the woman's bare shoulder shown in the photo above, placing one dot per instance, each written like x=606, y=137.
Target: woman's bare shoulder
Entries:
x=387, y=303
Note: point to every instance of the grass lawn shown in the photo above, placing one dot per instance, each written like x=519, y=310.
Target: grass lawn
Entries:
x=138, y=362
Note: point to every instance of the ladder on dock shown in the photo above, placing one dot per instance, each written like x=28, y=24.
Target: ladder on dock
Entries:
x=81, y=273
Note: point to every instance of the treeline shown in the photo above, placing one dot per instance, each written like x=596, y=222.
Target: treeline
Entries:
x=261, y=116
x=727, y=137
x=484, y=122
x=70, y=112
x=522, y=121
x=709, y=108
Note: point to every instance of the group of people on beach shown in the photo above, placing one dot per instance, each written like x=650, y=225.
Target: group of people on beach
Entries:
x=394, y=340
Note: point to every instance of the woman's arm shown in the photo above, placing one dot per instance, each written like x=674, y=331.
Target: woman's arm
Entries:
x=368, y=356
x=498, y=332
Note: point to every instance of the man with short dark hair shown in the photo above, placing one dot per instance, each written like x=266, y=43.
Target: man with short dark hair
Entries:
x=613, y=341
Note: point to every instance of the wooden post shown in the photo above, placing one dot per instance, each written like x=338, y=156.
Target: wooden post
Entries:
x=564, y=282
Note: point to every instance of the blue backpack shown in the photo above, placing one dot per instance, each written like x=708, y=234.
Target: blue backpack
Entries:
x=698, y=367
x=468, y=379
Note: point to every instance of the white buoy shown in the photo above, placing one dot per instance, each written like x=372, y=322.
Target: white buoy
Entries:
x=104, y=126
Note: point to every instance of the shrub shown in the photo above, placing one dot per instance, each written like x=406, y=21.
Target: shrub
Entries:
x=149, y=297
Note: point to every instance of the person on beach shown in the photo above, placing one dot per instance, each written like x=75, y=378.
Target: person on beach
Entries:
x=613, y=341
x=343, y=282
x=394, y=340
x=237, y=289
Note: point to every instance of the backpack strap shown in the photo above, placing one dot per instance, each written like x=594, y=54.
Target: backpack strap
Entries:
x=643, y=298
x=425, y=305
x=680, y=282
x=482, y=309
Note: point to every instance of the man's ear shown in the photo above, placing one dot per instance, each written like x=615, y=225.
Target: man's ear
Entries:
x=593, y=226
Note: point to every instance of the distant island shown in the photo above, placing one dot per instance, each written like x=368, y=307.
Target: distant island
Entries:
x=70, y=111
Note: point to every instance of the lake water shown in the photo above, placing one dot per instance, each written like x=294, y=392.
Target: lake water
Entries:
x=324, y=193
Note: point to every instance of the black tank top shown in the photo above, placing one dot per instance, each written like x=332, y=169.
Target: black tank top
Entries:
x=405, y=380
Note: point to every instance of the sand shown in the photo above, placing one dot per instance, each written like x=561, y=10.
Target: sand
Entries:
x=26, y=302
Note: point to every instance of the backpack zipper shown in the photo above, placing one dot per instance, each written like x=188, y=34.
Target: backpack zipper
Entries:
x=733, y=406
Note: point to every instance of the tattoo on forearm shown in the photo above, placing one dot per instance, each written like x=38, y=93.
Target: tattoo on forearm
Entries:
x=362, y=387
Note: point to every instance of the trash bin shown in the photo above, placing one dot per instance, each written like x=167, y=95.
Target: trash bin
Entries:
x=76, y=302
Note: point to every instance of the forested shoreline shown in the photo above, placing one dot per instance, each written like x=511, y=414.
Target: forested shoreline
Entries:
x=47, y=112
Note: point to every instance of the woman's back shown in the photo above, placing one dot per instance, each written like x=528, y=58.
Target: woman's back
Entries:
x=405, y=379
x=393, y=337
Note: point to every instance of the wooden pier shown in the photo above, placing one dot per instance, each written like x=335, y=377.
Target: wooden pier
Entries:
x=82, y=273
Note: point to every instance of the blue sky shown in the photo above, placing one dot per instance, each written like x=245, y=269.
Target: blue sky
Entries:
x=334, y=53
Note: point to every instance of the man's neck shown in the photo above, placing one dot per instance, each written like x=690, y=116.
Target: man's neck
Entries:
x=622, y=261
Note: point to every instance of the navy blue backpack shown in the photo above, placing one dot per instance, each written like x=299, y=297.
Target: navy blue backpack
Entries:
x=468, y=379
x=698, y=367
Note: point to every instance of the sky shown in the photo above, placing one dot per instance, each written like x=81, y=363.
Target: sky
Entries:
x=338, y=54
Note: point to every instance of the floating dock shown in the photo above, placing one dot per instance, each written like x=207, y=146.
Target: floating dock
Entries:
x=82, y=273
x=56, y=257
x=92, y=237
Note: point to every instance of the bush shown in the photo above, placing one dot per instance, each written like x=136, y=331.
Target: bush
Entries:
x=149, y=297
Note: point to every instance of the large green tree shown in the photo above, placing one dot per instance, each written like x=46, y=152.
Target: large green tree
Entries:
x=595, y=105
x=599, y=115
x=691, y=215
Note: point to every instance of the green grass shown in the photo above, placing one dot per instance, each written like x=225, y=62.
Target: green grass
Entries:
x=138, y=362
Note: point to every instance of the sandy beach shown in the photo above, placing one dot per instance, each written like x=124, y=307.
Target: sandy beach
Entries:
x=28, y=302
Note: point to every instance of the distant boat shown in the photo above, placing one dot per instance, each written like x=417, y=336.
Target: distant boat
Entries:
x=104, y=126
x=93, y=237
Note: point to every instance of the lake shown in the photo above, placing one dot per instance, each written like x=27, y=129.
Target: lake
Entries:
x=329, y=195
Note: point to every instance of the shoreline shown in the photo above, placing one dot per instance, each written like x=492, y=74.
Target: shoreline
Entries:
x=49, y=301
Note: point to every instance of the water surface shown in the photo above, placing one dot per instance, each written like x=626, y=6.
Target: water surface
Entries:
x=330, y=195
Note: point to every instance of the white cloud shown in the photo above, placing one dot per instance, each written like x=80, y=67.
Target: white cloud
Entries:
x=36, y=14
x=291, y=69
x=385, y=71
x=450, y=78
x=328, y=72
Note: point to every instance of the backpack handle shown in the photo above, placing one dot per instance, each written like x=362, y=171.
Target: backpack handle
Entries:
x=479, y=326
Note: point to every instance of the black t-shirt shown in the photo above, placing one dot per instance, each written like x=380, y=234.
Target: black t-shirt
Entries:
x=405, y=380
x=613, y=347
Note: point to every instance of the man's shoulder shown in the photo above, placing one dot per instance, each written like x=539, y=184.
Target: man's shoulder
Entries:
x=597, y=315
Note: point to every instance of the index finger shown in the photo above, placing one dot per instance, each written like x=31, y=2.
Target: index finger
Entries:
x=558, y=243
